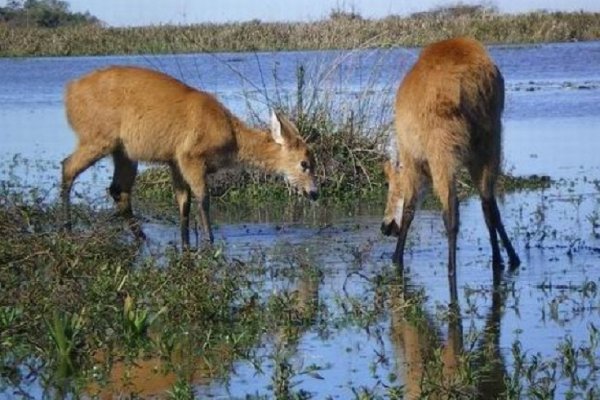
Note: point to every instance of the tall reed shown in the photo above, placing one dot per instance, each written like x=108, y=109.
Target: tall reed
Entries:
x=334, y=33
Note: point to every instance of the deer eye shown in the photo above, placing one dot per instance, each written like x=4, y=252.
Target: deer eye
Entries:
x=304, y=165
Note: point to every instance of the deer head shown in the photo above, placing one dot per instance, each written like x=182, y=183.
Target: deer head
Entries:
x=295, y=160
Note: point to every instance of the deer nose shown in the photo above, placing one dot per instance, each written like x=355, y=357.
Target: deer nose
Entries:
x=390, y=229
x=386, y=229
x=312, y=194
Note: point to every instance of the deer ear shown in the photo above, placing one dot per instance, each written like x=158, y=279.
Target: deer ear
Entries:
x=276, y=129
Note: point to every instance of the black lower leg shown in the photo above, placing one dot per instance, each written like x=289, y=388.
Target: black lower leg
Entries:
x=453, y=289
x=408, y=214
x=66, y=207
x=451, y=223
x=512, y=254
x=65, y=193
x=185, y=233
x=185, y=225
x=115, y=191
x=490, y=220
x=205, y=218
x=124, y=210
x=134, y=224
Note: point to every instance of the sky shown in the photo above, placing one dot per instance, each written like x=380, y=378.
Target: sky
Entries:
x=145, y=12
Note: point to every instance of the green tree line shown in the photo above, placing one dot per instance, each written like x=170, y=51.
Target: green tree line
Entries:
x=44, y=14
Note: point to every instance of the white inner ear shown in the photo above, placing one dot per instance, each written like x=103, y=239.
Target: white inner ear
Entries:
x=276, y=129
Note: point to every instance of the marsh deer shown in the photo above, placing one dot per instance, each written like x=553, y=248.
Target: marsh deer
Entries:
x=137, y=114
x=448, y=115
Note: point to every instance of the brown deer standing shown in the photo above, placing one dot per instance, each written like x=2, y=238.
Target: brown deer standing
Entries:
x=137, y=114
x=448, y=115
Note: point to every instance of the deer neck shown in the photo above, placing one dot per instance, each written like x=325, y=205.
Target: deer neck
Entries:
x=256, y=147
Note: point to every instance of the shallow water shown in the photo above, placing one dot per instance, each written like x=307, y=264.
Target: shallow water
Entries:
x=554, y=271
x=551, y=125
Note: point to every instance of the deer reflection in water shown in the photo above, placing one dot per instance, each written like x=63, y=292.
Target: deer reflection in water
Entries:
x=440, y=369
x=153, y=377
x=302, y=312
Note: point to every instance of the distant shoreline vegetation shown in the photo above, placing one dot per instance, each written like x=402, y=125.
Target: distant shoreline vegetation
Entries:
x=42, y=14
x=72, y=34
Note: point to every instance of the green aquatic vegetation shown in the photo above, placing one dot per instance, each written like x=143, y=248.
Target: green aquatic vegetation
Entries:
x=65, y=329
x=9, y=316
x=594, y=220
x=181, y=390
x=137, y=321
x=155, y=193
x=117, y=307
x=283, y=375
x=566, y=302
x=574, y=366
x=121, y=305
x=106, y=304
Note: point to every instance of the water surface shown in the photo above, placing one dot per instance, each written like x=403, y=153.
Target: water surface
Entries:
x=551, y=124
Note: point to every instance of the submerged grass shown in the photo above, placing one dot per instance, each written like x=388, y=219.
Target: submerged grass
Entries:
x=339, y=32
x=89, y=314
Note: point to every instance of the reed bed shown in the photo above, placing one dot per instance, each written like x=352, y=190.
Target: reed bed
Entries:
x=334, y=33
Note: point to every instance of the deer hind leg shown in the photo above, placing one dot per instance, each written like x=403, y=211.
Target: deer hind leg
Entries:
x=444, y=184
x=121, y=189
x=408, y=214
x=412, y=183
x=454, y=346
x=183, y=197
x=193, y=170
x=513, y=258
x=485, y=180
x=84, y=156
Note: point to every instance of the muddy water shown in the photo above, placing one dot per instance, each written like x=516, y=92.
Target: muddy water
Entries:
x=551, y=127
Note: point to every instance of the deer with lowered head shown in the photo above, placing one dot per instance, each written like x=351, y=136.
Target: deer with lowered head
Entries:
x=447, y=116
x=137, y=114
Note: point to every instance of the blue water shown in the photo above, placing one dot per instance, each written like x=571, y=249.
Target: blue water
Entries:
x=551, y=127
x=544, y=81
x=29, y=83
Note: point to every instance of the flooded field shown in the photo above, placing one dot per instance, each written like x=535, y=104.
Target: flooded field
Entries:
x=318, y=310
